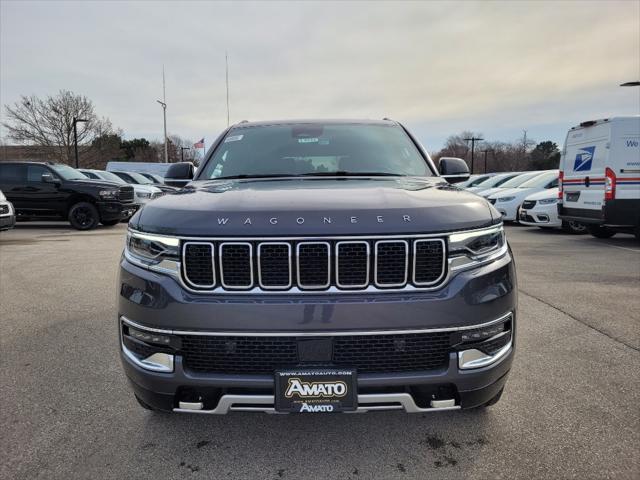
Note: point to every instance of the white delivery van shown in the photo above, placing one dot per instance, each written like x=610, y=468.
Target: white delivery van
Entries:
x=600, y=176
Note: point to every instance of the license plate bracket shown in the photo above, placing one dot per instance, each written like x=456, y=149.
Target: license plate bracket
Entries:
x=316, y=390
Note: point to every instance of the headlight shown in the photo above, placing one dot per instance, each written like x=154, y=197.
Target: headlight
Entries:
x=143, y=194
x=548, y=201
x=154, y=252
x=109, y=194
x=472, y=248
x=505, y=199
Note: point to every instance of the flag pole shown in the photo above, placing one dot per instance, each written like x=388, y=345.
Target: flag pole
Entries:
x=226, y=62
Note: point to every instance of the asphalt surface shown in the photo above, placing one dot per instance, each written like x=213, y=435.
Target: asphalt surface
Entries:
x=570, y=409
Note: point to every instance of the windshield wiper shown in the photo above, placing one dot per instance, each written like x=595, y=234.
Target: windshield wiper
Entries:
x=244, y=175
x=339, y=173
x=343, y=173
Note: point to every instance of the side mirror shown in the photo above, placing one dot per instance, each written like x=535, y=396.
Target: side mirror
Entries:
x=48, y=178
x=179, y=174
x=453, y=170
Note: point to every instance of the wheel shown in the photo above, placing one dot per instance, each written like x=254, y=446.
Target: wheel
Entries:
x=575, y=228
x=109, y=223
x=599, y=231
x=143, y=404
x=84, y=216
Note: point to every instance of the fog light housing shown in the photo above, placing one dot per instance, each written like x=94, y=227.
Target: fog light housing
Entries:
x=149, y=350
x=480, y=347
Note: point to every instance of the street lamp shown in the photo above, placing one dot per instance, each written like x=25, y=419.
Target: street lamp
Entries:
x=164, y=114
x=473, y=141
x=182, y=149
x=75, y=137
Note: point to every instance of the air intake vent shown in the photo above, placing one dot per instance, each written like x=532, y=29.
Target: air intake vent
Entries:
x=352, y=264
x=392, y=263
x=198, y=264
x=428, y=262
x=274, y=265
x=236, y=269
x=314, y=265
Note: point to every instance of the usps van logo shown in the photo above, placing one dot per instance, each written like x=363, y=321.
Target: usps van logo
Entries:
x=584, y=158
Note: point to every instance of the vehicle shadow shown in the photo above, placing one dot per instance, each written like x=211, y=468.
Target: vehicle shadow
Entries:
x=372, y=445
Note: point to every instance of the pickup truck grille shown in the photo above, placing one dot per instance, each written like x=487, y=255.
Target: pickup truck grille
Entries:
x=310, y=265
x=125, y=195
x=366, y=353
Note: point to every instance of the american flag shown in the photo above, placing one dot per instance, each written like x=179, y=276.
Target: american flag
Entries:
x=199, y=144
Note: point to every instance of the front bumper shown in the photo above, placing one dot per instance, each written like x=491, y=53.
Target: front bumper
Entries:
x=8, y=217
x=540, y=216
x=116, y=210
x=471, y=298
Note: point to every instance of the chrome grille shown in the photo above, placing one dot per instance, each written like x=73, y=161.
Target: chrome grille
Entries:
x=198, y=264
x=236, y=265
x=352, y=264
x=314, y=265
x=274, y=265
x=391, y=265
x=348, y=265
x=125, y=194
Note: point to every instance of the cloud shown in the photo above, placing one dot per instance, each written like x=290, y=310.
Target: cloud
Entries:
x=441, y=67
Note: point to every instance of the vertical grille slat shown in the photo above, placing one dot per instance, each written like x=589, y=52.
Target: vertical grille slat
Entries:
x=236, y=265
x=314, y=265
x=274, y=265
x=392, y=263
x=428, y=261
x=352, y=264
x=199, y=264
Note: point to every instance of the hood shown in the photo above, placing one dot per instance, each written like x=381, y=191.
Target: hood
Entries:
x=145, y=188
x=512, y=192
x=544, y=194
x=315, y=206
x=90, y=182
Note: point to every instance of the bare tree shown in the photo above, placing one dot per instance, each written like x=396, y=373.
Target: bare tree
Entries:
x=49, y=122
x=176, y=154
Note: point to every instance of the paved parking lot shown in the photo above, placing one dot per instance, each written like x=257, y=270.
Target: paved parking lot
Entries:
x=570, y=409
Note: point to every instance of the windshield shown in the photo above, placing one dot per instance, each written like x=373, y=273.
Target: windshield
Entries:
x=315, y=149
x=112, y=177
x=519, y=180
x=139, y=178
x=152, y=177
x=541, y=180
x=68, y=173
x=495, y=181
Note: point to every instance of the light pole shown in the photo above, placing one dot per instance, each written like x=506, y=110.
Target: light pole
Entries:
x=473, y=141
x=182, y=149
x=164, y=115
x=75, y=137
x=485, y=151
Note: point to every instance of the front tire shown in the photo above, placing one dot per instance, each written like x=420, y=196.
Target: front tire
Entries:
x=574, y=228
x=599, y=231
x=84, y=216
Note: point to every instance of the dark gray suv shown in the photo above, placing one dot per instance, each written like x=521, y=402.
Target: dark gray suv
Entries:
x=317, y=266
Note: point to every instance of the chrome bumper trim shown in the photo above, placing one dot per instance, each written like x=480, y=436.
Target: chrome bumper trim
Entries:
x=338, y=333
x=468, y=359
x=158, y=362
x=366, y=403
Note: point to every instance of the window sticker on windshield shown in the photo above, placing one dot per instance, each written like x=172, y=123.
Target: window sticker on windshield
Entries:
x=323, y=141
x=307, y=140
x=233, y=138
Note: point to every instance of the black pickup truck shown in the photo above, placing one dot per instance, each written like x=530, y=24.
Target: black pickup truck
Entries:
x=49, y=191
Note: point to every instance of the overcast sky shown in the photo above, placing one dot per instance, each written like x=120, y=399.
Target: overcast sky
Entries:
x=490, y=67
